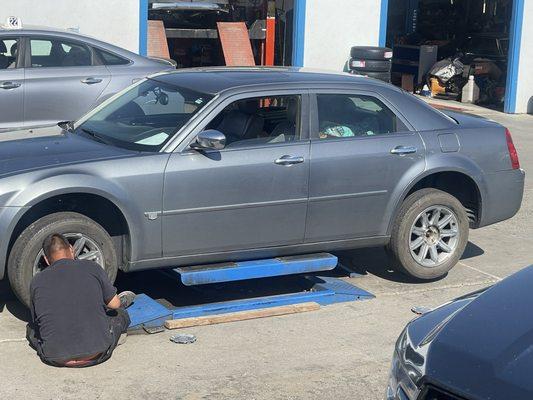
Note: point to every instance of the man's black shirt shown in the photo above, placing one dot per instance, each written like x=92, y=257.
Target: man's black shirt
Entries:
x=68, y=309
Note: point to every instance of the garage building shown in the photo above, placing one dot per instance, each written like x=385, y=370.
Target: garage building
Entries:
x=313, y=33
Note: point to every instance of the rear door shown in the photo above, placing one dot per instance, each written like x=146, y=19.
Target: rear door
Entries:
x=11, y=83
x=360, y=149
x=63, y=80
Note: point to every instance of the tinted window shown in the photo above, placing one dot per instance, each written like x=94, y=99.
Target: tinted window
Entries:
x=111, y=59
x=56, y=53
x=260, y=120
x=341, y=115
x=8, y=53
x=144, y=117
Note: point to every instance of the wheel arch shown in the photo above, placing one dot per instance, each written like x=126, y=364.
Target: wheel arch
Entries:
x=87, y=195
x=470, y=190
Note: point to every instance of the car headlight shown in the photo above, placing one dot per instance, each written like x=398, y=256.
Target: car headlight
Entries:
x=406, y=369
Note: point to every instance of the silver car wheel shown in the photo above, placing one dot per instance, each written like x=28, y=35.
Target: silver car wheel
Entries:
x=434, y=236
x=84, y=249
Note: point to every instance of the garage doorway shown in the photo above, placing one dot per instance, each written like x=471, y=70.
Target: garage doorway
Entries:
x=476, y=33
x=190, y=29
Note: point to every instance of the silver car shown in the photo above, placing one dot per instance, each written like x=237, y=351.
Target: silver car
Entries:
x=47, y=76
x=216, y=165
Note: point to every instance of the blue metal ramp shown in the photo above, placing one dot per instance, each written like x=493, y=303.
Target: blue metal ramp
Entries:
x=146, y=312
x=239, y=271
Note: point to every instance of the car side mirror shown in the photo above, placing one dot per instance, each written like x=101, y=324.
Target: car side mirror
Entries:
x=210, y=139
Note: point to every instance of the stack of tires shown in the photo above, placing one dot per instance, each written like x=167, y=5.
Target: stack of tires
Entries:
x=374, y=62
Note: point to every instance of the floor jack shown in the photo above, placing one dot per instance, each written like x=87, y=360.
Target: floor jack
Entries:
x=151, y=315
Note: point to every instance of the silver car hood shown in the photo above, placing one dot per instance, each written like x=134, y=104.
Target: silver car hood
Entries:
x=30, y=149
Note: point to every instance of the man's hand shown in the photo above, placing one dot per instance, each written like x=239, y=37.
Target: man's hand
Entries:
x=114, y=303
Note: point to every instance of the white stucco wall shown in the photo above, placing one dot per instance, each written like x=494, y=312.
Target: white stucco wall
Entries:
x=113, y=21
x=332, y=27
x=524, y=99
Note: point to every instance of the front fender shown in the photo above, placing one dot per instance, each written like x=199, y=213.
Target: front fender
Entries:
x=440, y=162
x=73, y=183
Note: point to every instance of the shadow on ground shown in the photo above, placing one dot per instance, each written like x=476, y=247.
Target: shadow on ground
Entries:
x=375, y=261
x=173, y=293
x=9, y=301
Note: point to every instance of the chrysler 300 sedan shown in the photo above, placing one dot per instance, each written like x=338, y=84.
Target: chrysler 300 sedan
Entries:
x=216, y=165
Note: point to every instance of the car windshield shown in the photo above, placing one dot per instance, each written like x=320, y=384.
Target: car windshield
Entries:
x=144, y=117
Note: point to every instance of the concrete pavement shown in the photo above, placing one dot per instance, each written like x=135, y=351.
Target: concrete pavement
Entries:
x=342, y=351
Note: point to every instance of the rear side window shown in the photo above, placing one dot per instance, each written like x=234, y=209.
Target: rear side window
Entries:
x=346, y=115
x=47, y=53
x=110, y=58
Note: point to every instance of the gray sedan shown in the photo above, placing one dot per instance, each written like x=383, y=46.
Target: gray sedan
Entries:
x=48, y=76
x=214, y=165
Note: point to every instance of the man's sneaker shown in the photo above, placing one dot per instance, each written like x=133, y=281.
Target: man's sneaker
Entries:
x=126, y=299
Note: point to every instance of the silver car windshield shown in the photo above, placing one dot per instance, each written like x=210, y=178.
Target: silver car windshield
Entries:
x=144, y=117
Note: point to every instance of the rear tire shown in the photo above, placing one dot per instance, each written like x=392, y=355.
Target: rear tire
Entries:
x=371, y=66
x=27, y=247
x=370, y=53
x=444, y=216
x=382, y=76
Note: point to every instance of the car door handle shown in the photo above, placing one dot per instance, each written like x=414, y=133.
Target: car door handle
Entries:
x=289, y=160
x=9, y=85
x=91, y=80
x=403, y=150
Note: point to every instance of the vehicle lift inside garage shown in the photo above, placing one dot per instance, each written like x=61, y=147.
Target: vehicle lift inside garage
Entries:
x=149, y=314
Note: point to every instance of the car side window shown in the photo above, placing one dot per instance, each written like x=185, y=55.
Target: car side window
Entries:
x=46, y=53
x=110, y=58
x=260, y=121
x=8, y=52
x=351, y=115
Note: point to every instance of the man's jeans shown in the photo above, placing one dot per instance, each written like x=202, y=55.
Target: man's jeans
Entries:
x=119, y=320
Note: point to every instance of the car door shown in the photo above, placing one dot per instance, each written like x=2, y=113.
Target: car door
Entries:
x=62, y=82
x=251, y=194
x=361, y=147
x=11, y=83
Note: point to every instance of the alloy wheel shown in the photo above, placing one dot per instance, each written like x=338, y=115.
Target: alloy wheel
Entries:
x=434, y=236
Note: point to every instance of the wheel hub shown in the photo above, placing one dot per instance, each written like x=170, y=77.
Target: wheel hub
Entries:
x=432, y=235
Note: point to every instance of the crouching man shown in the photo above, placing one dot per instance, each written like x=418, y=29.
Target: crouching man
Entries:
x=77, y=317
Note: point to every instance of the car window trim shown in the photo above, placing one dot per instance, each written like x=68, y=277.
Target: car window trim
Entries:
x=314, y=126
x=19, y=62
x=210, y=113
x=95, y=50
x=29, y=38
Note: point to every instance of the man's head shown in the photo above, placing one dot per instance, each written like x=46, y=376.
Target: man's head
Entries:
x=57, y=247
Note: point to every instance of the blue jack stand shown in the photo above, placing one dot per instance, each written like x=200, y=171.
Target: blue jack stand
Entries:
x=146, y=312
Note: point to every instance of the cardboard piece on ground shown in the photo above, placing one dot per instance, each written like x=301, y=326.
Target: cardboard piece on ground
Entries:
x=241, y=316
x=157, y=40
x=236, y=44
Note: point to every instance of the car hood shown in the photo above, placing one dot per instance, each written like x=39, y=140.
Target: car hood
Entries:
x=28, y=149
x=483, y=346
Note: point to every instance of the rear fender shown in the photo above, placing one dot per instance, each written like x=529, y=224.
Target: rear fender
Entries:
x=439, y=162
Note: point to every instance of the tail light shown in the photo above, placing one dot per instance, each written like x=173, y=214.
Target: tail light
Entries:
x=515, y=163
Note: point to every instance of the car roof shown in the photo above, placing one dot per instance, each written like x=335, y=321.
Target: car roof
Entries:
x=71, y=34
x=214, y=80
